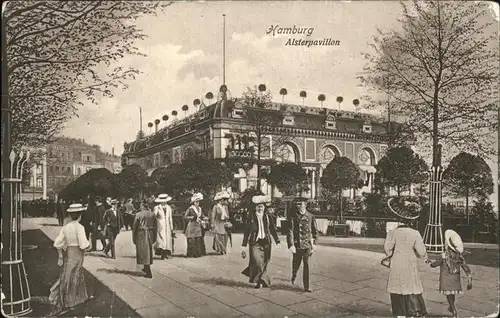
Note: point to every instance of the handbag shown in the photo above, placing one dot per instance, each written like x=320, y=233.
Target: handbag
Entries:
x=386, y=261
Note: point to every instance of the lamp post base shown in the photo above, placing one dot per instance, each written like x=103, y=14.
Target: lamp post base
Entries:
x=16, y=289
x=433, y=238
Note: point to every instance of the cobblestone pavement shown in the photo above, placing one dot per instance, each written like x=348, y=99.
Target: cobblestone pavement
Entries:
x=346, y=283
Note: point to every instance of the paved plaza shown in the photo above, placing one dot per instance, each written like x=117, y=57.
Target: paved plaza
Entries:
x=346, y=282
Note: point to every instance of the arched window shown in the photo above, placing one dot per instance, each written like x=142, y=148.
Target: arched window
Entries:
x=287, y=153
x=328, y=153
x=366, y=157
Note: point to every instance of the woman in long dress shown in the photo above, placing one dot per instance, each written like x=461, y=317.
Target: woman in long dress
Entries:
x=219, y=219
x=258, y=232
x=406, y=246
x=143, y=236
x=70, y=289
x=164, y=235
x=194, y=229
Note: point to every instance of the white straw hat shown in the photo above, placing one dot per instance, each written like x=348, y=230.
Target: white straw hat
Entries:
x=454, y=241
x=77, y=207
x=221, y=195
x=163, y=198
x=196, y=197
x=261, y=199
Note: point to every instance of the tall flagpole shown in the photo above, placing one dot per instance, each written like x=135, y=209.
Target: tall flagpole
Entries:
x=224, y=49
x=140, y=118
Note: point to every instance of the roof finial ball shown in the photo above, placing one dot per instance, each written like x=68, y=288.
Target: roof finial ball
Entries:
x=355, y=102
x=340, y=99
x=303, y=95
x=283, y=93
x=223, y=91
x=321, y=98
x=185, y=108
x=196, y=103
x=209, y=96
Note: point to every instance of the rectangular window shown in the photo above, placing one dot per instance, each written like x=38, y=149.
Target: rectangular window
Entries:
x=39, y=183
x=349, y=151
x=331, y=125
x=57, y=169
x=310, y=149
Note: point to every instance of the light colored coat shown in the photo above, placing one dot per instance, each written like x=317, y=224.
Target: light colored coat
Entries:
x=218, y=218
x=408, y=246
x=165, y=227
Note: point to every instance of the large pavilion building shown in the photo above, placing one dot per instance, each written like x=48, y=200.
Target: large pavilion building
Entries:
x=311, y=136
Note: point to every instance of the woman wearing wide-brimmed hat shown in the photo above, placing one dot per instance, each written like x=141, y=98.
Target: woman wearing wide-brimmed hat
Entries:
x=70, y=289
x=404, y=245
x=165, y=231
x=258, y=232
x=220, y=221
x=195, y=231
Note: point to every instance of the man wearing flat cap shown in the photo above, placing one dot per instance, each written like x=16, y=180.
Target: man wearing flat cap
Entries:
x=301, y=237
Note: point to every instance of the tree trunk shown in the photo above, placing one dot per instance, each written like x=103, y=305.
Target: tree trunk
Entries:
x=436, y=151
x=340, y=201
x=399, y=190
x=467, y=205
x=259, y=144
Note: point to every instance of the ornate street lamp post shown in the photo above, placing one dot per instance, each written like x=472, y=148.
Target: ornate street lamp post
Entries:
x=14, y=281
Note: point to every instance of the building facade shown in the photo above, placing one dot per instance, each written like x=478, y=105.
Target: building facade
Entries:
x=63, y=161
x=311, y=136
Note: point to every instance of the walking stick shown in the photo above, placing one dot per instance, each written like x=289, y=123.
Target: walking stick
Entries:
x=229, y=235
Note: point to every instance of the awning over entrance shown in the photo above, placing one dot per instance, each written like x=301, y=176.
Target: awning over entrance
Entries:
x=368, y=169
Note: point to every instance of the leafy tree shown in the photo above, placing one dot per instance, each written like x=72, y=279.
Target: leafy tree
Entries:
x=485, y=216
x=340, y=174
x=262, y=123
x=289, y=178
x=441, y=70
x=55, y=51
x=400, y=168
x=95, y=182
x=196, y=173
x=468, y=175
x=131, y=180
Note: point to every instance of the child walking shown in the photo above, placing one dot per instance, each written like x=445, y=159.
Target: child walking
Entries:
x=449, y=264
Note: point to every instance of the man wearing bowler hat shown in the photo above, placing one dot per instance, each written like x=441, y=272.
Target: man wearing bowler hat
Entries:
x=301, y=237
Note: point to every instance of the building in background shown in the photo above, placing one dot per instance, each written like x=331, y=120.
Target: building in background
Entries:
x=311, y=136
x=65, y=160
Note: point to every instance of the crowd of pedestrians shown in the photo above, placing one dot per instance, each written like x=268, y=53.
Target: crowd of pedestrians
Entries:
x=151, y=222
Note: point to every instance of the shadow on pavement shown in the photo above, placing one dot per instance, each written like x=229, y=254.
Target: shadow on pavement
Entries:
x=239, y=284
x=49, y=224
x=473, y=256
x=41, y=267
x=119, y=271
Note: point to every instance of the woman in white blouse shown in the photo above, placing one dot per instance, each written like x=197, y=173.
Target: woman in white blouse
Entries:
x=70, y=289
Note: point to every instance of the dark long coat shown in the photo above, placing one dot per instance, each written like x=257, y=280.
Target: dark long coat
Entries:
x=144, y=236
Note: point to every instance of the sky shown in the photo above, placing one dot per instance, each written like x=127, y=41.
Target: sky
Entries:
x=184, y=60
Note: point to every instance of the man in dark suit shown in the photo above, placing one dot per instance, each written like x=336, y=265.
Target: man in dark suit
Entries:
x=301, y=238
x=113, y=222
x=98, y=213
x=86, y=218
